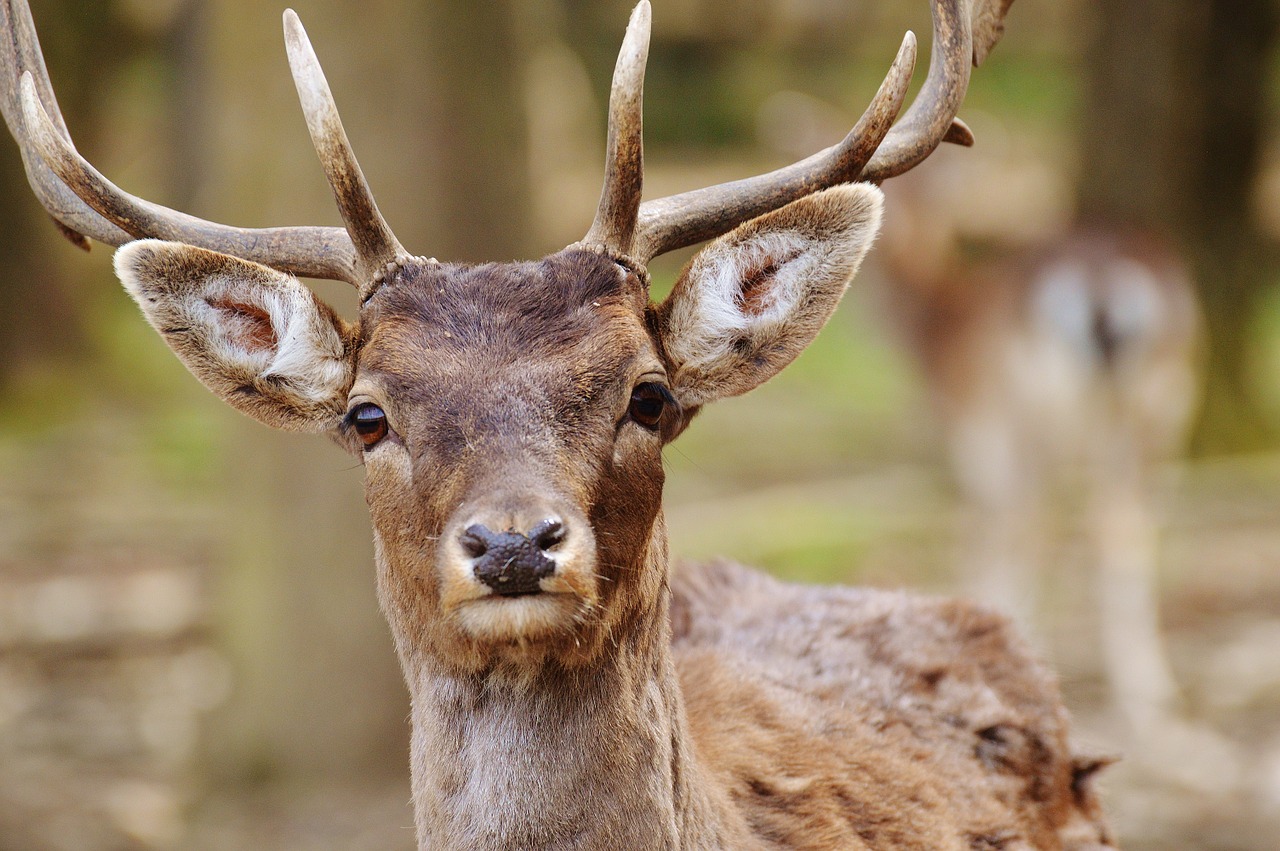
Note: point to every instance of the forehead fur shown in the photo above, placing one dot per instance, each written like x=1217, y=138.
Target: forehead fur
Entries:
x=500, y=312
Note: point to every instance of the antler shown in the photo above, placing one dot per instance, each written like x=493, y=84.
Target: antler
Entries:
x=86, y=205
x=375, y=244
x=871, y=151
x=20, y=54
x=615, y=220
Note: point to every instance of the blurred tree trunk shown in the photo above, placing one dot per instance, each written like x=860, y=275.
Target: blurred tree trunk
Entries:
x=474, y=178
x=1235, y=265
x=1172, y=139
x=38, y=321
x=1133, y=133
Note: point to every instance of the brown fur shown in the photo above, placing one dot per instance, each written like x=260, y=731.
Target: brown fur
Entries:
x=939, y=706
x=624, y=707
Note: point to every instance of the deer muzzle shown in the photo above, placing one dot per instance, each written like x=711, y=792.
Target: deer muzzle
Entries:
x=518, y=565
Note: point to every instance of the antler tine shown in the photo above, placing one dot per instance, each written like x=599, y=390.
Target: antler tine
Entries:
x=929, y=121
x=871, y=151
x=376, y=245
x=691, y=217
x=20, y=54
x=86, y=204
x=615, y=222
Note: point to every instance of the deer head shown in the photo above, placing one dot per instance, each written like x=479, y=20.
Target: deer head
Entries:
x=511, y=417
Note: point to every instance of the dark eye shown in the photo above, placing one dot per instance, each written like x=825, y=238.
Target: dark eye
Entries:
x=648, y=401
x=370, y=423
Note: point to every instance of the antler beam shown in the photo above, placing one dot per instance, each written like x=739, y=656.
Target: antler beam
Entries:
x=692, y=217
x=313, y=252
x=86, y=205
x=928, y=123
x=20, y=53
x=872, y=151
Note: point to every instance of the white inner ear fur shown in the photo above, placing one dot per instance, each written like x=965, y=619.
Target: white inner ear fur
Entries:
x=753, y=299
x=307, y=351
x=717, y=313
x=237, y=325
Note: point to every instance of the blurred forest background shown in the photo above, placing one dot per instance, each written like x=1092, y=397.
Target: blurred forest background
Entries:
x=190, y=651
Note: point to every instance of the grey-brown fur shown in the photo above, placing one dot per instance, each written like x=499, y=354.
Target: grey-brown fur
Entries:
x=939, y=704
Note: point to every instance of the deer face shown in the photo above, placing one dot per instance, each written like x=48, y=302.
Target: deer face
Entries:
x=511, y=417
x=514, y=484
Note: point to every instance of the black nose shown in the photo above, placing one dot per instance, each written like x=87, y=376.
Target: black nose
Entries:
x=510, y=562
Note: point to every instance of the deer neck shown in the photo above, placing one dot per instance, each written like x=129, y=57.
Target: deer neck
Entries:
x=591, y=756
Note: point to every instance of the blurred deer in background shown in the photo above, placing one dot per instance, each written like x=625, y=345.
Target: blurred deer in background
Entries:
x=568, y=688
x=1071, y=364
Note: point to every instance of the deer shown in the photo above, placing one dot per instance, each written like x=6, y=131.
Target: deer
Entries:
x=1071, y=364
x=570, y=687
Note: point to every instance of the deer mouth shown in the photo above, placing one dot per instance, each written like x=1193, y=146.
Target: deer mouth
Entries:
x=523, y=618
x=523, y=597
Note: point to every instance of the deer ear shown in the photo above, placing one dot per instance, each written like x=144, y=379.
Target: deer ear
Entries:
x=751, y=301
x=256, y=337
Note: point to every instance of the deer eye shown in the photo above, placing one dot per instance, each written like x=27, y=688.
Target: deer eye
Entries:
x=648, y=401
x=369, y=422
